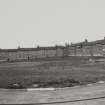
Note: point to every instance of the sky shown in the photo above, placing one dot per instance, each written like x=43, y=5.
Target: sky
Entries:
x=28, y=23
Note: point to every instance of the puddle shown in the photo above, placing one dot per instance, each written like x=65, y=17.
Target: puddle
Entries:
x=40, y=89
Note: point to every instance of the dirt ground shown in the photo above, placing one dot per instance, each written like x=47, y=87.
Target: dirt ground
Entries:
x=65, y=96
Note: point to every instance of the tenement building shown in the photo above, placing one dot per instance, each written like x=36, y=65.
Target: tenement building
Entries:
x=31, y=53
x=93, y=48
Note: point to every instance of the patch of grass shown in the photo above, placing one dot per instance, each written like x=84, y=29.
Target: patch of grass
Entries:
x=61, y=73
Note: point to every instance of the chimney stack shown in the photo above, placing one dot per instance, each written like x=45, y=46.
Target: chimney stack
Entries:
x=86, y=40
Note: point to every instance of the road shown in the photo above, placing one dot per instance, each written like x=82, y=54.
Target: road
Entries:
x=84, y=95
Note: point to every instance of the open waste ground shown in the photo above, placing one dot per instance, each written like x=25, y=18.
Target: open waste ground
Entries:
x=61, y=74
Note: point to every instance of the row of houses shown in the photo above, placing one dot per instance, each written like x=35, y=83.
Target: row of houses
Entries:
x=93, y=48
x=31, y=53
x=85, y=48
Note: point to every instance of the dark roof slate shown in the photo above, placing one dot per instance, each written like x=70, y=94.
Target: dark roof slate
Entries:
x=31, y=49
x=101, y=42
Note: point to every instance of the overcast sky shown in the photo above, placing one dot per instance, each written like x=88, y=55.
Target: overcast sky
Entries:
x=29, y=23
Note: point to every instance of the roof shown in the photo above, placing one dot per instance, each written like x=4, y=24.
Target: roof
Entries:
x=102, y=42
x=31, y=49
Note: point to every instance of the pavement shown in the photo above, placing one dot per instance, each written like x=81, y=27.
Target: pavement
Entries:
x=80, y=95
